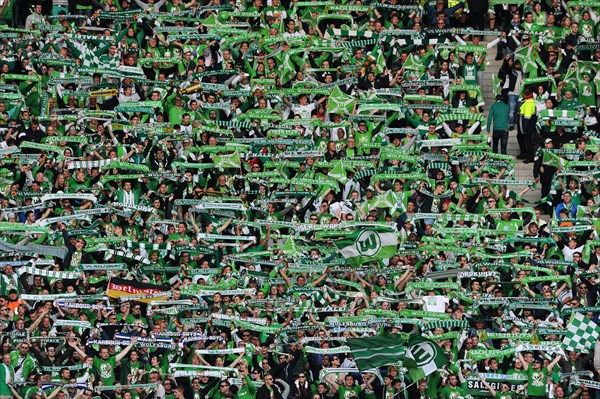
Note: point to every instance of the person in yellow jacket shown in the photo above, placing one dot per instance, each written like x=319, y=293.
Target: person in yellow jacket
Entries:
x=528, y=122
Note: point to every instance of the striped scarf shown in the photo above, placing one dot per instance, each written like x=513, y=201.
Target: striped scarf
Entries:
x=431, y=325
x=333, y=32
x=148, y=246
x=77, y=305
x=49, y=273
x=88, y=164
x=128, y=255
x=127, y=338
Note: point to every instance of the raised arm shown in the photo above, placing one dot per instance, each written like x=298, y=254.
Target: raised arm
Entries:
x=321, y=278
x=77, y=349
x=553, y=363
x=523, y=362
x=15, y=393
x=285, y=277
x=224, y=226
x=489, y=387
x=37, y=321
x=125, y=351
x=368, y=382
x=529, y=291
x=237, y=360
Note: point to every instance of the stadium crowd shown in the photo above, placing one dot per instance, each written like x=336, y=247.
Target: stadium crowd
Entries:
x=184, y=185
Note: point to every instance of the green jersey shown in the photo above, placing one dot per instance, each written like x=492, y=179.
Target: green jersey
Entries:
x=362, y=139
x=247, y=391
x=586, y=28
x=452, y=393
x=349, y=393
x=106, y=369
x=536, y=383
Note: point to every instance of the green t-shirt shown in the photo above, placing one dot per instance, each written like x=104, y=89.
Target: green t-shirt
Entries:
x=177, y=237
x=550, y=31
x=106, y=369
x=75, y=186
x=172, y=7
x=133, y=370
x=469, y=73
x=325, y=218
x=536, y=383
x=7, y=15
x=568, y=104
x=586, y=28
x=362, y=139
x=349, y=393
x=30, y=391
x=247, y=391
x=389, y=393
x=509, y=225
x=452, y=393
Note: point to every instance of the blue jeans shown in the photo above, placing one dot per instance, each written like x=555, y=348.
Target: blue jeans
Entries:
x=513, y=101
x=502, y=137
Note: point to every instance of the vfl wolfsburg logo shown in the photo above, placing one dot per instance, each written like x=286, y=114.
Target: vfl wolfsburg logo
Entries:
x=368, y=243
x=424, y=353
x=105, y=370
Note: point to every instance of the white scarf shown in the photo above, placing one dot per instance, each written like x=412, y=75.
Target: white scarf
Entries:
x=128, y=198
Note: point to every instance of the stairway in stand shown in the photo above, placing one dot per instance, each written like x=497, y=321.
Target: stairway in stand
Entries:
x=522, y=171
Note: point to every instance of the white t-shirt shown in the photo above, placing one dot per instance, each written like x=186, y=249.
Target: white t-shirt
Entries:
x=435, y=303
x=303, y=110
